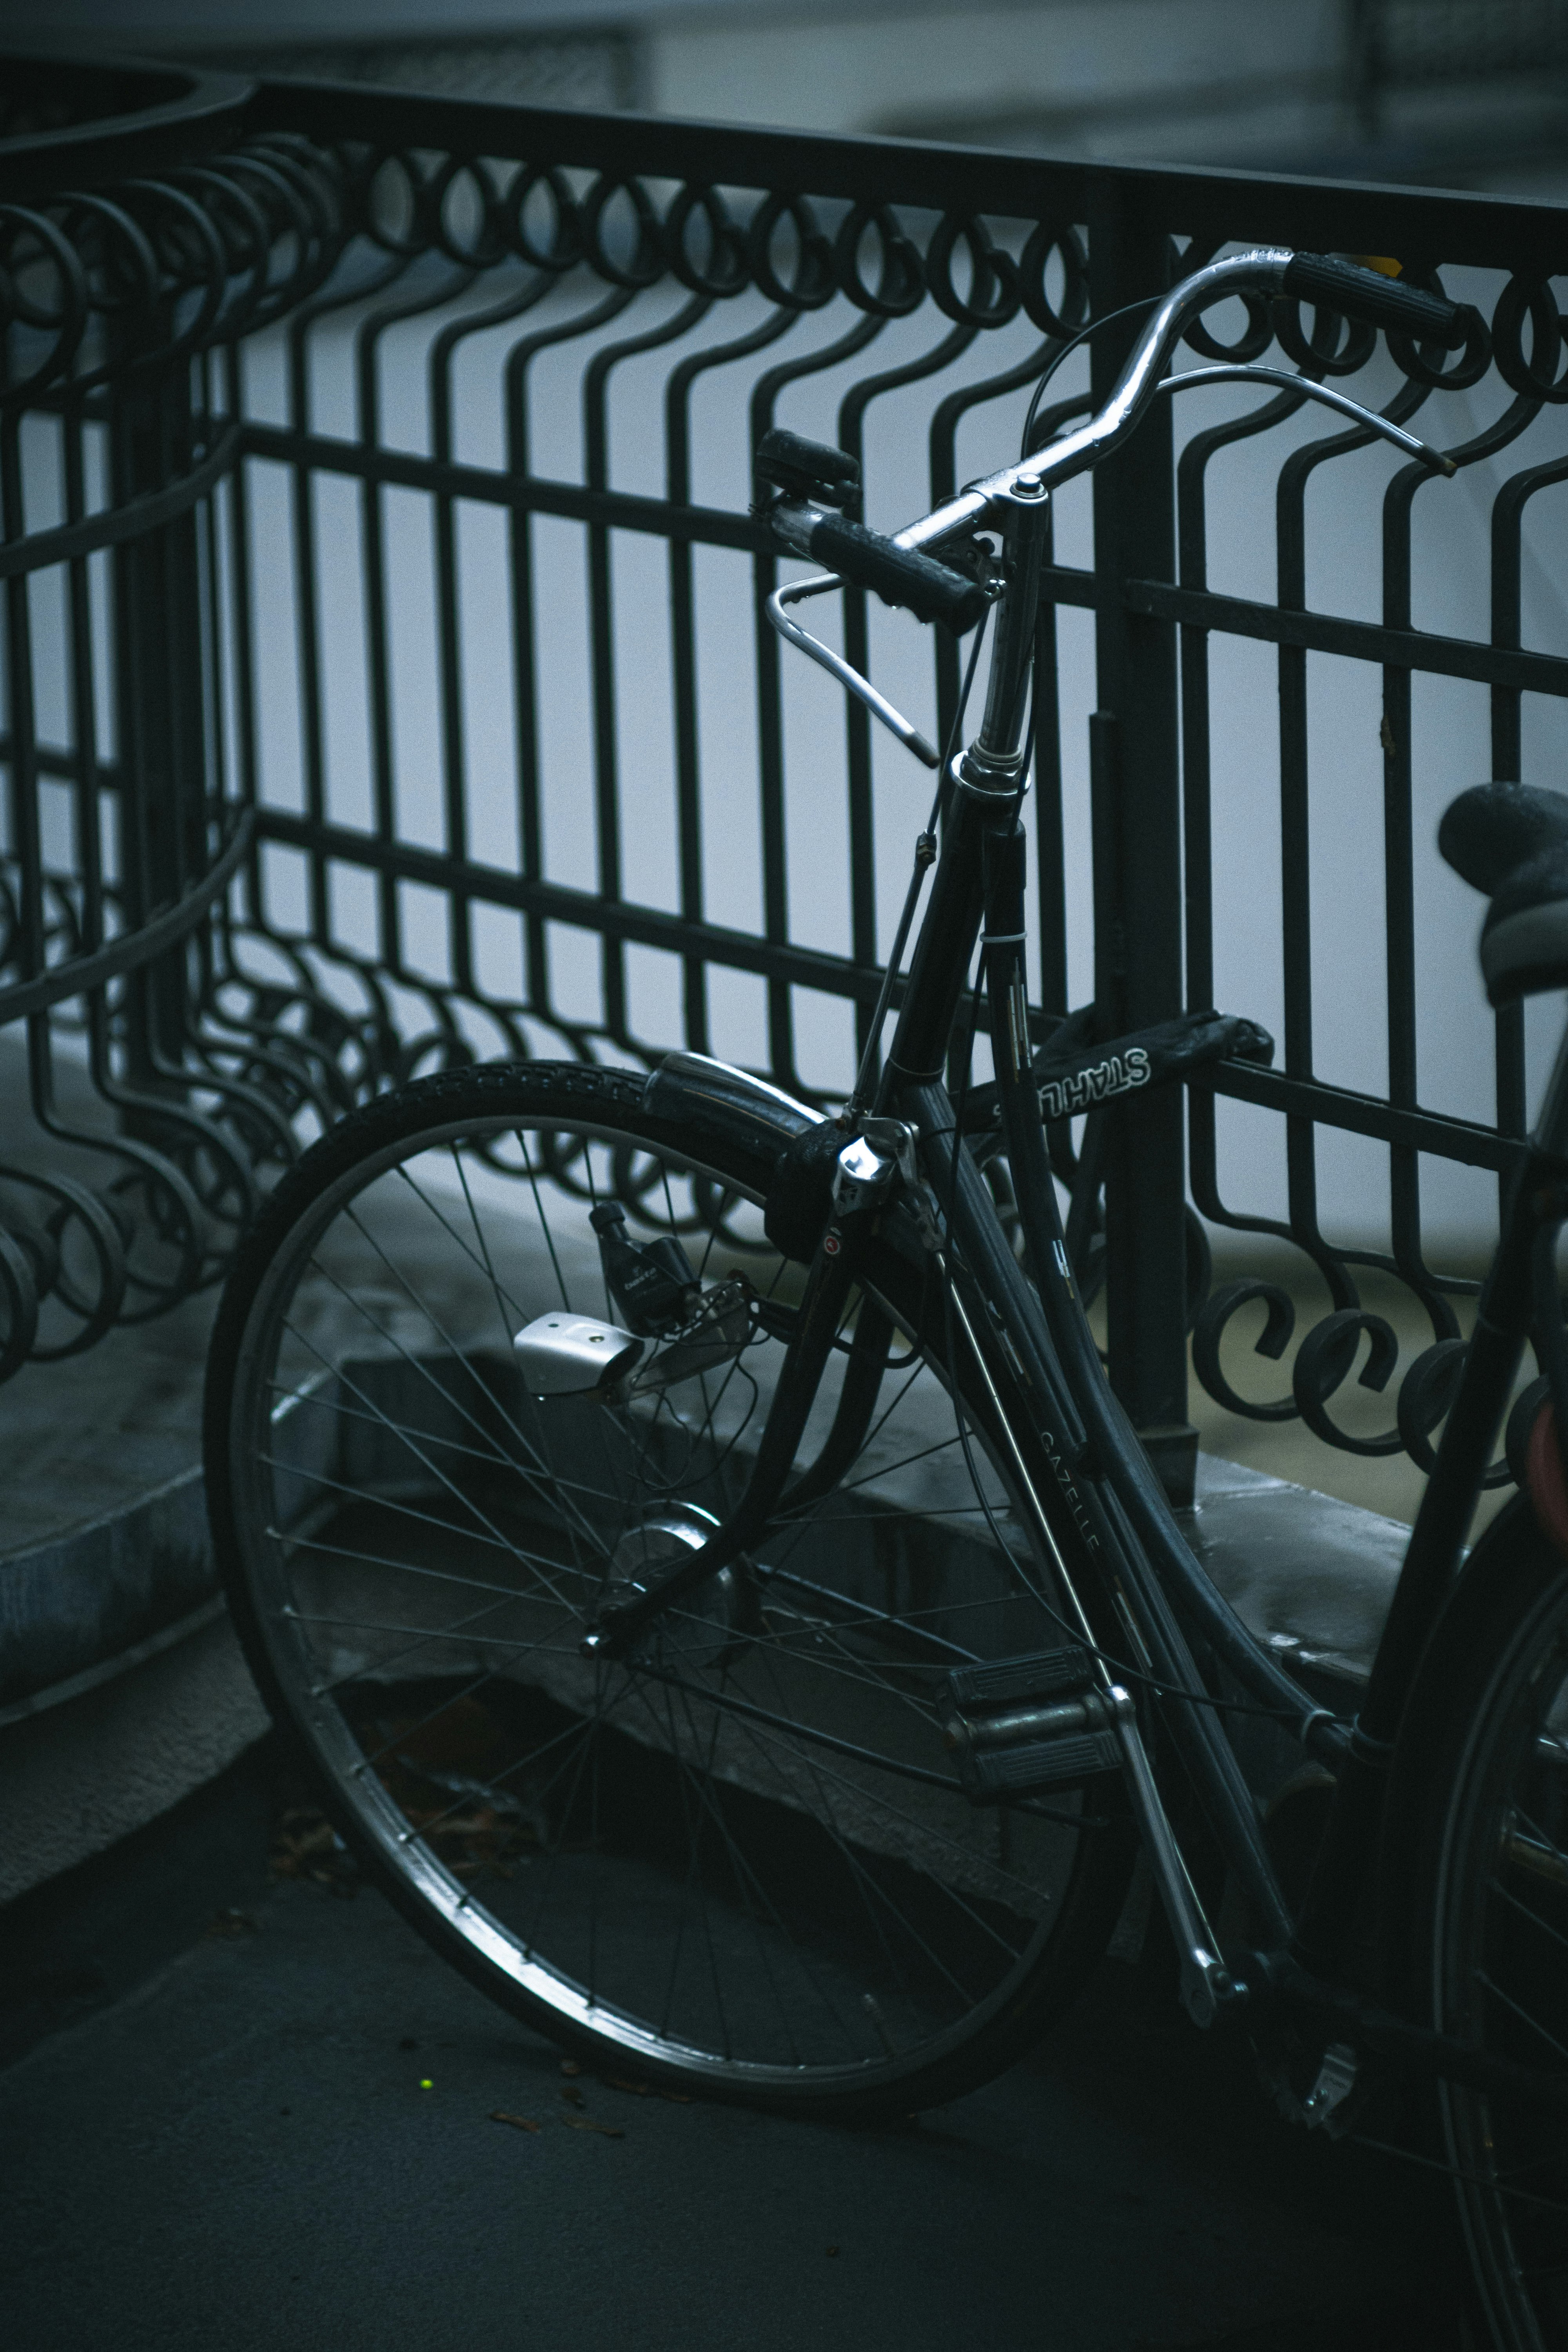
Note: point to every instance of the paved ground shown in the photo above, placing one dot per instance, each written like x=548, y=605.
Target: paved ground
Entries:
x=238, y=2151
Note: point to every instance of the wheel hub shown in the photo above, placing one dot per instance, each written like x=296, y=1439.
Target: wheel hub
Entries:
x=707, y=1626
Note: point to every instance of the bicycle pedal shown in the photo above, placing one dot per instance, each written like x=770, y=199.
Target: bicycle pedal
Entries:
x=1014, y=1682
x=1028, y=1723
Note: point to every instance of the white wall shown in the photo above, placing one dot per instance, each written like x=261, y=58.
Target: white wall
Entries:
x=833, y=69
x=1450, y=746
x=809, y=64
x=864, y=68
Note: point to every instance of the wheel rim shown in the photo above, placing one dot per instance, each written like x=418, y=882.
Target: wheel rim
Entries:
x=741, y=1854
x=1500, y=1980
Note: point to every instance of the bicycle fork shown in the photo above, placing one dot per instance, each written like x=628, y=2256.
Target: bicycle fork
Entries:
x=1082, y=1718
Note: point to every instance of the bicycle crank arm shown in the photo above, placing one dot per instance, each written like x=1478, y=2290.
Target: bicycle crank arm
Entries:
x=1207, y=1987
x=1018, y=1725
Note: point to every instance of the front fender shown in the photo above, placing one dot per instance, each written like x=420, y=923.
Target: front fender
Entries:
x=747, y=1112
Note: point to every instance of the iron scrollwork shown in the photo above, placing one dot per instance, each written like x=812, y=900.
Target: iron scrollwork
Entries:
x=131, y=312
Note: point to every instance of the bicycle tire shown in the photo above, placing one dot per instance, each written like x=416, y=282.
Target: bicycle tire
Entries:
x=1480, y=1810
x=715, y=1865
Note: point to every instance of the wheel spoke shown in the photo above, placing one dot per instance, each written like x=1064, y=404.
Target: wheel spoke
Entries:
x=751, y=1850
x=412, y=1567
x=1535, y=1917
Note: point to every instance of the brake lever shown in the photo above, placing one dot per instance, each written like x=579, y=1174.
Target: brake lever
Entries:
x=881, y=708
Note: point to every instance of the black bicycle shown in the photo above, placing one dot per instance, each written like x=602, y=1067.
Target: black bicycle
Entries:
x=695, y=1541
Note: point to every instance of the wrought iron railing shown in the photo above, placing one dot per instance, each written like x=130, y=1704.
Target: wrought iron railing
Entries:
x=388, y=473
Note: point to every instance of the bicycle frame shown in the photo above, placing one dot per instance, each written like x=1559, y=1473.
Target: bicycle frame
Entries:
x=1100, y=1500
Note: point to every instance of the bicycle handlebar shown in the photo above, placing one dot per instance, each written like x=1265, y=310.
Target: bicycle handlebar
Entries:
x=1380, y=301
x=898, y=575
x=1267, y=270
x=902, y=570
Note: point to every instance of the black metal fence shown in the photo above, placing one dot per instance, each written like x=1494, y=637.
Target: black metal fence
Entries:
x=385, y=681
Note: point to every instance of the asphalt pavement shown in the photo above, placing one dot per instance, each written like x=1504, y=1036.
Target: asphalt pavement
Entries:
x=249, y=2113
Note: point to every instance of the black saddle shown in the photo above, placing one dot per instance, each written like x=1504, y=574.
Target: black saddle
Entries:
x=1511, y=841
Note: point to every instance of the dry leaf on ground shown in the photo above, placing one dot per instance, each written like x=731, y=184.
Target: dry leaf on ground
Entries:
x=645, y=2090
x=231, y=1924
x=304, y=1845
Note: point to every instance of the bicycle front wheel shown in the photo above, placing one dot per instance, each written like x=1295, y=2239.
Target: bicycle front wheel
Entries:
x=739, y=1858
x=1491, y=1913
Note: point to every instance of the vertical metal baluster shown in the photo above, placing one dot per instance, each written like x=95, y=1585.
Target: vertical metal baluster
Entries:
x=687, y=765
x=1399, y=871
x=1197, y=837
x=1507, y=523
x=359, y=291
x=601, y=637
x=1197, y=812
x=1301, y=1135
x=383, y=803
x=26, y=845
x=188, y=702
x=169, y=689
x=1046, y=749
x=1296, y=911
x=1136, y=670
x=219, y=807
x=87, y=837
x=383, y=786
x=454, y=756
x=525, y=684
x=857, y=766
x=1399, y=831
x=307, y=627
x=161, y=725
x=242, y=639
x=771, y=787
x=525, y=660
x=857, y=653
x=1051, y=849
x=683, y=649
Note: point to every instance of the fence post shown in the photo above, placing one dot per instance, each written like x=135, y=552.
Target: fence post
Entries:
x=159, y=682
x=1138, y=821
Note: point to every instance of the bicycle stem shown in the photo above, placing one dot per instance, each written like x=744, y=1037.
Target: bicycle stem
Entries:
x=996, y=759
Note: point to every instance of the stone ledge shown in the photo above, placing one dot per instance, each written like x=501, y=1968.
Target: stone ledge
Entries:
x=74, y=1603
x=79, y=1775
x=1308, y=1574
x=82, y=1768
x=121, y=1691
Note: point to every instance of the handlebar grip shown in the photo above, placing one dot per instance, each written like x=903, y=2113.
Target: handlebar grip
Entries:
x=1360, y=293
x=898, y=575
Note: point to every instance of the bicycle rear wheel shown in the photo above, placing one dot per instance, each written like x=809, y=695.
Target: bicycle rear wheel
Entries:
x=740, y=1859
x=1491, y=1913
